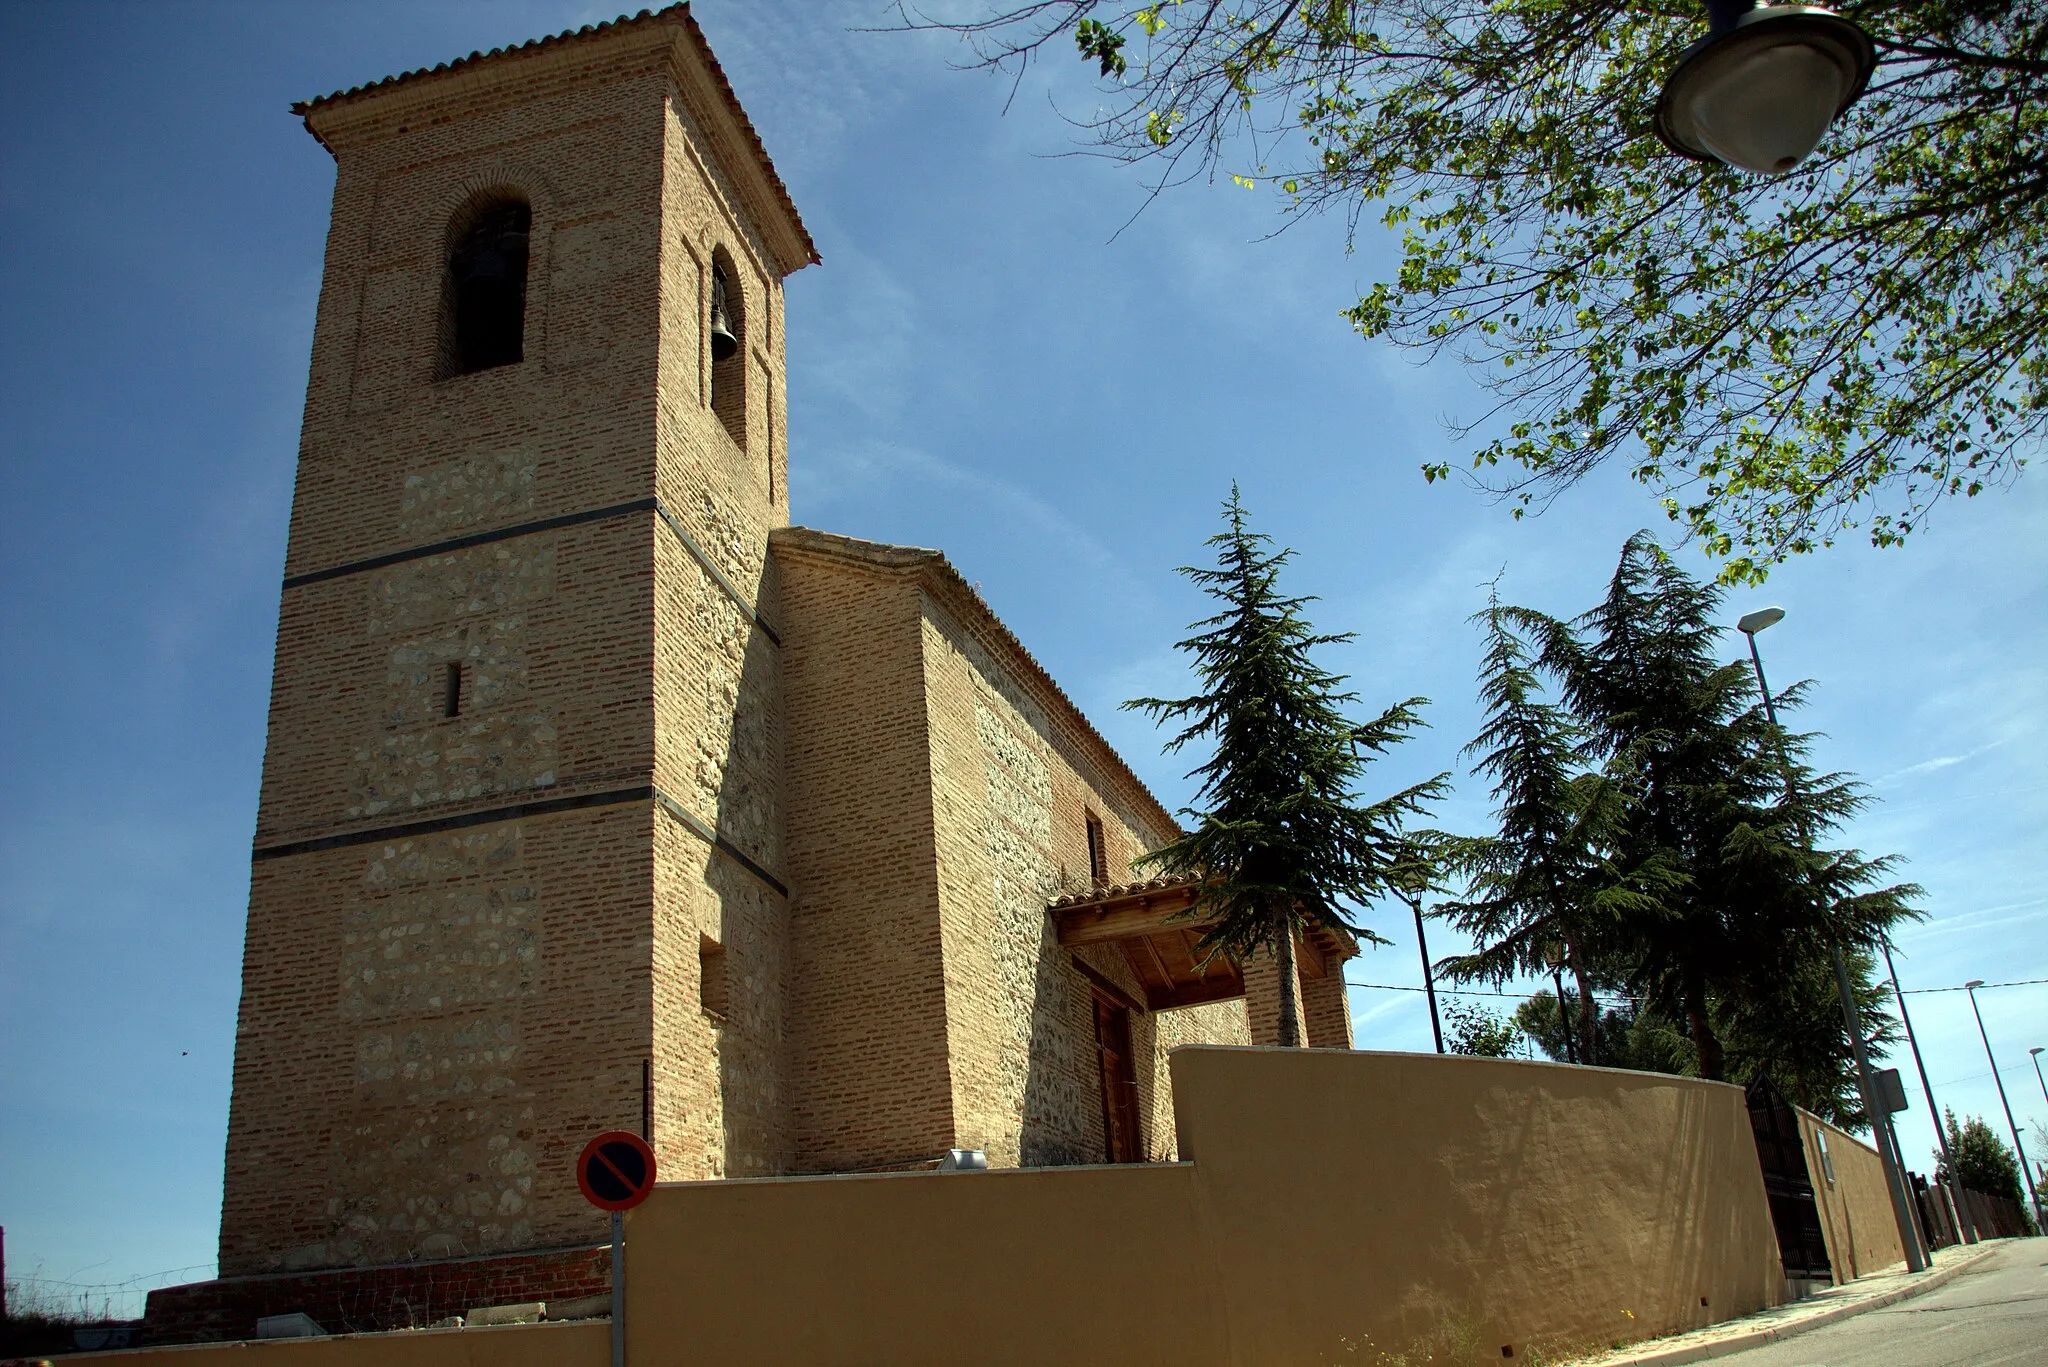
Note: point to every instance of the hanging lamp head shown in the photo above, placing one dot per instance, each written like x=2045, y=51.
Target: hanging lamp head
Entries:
x=1761, y=89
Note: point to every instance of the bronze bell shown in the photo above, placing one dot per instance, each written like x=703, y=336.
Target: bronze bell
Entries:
x=724, y=346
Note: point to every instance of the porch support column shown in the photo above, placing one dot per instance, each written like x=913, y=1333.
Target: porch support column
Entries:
x=1262, y=998
x=1324, y=1009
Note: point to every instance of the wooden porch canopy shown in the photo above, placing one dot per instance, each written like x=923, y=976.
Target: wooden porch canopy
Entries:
x=1147, y=921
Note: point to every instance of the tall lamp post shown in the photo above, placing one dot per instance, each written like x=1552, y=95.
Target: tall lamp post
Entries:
x=2035, y=1054
x=2026, y=1173
x=1967, y=1227
x=1866, y=1088
x=1436, y=1025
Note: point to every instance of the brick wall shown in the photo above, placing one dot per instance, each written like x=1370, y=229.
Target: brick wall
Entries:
x=358, y=1300
x=826, y=776
x=939, y=791
x=869, y=1056
x=446, y=987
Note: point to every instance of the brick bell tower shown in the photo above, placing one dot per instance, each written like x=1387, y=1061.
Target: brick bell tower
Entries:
x=518, y=872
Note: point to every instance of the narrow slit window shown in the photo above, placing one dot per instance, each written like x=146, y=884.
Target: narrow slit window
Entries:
x=451, y=691
x=1098, y=852
x=713, y=995
x=484, y=301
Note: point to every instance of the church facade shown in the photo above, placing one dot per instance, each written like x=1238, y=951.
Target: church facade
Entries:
x=596, y=795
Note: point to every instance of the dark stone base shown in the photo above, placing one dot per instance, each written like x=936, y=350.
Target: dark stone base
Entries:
x=351, y=1300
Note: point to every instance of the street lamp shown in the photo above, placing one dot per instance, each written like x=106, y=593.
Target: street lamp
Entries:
x=2026, y=1173
x=1759, y=91
x=1966, y=1227
x=1866, y=1088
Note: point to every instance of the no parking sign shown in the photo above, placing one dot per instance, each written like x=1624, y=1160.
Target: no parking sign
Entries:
x=615, y=1172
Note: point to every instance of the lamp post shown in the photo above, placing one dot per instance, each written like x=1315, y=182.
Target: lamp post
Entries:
x=2026, y=1173
x=1436, y=1025
x=1967, y=1228
x=1760, y=90
x=1902, y=1211
x=2035, y=1054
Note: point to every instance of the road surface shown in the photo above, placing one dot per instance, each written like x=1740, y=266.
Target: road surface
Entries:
x=1994, y=1315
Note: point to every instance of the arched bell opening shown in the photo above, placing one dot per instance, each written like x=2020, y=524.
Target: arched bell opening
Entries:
x=727, y=331
x=483, y=296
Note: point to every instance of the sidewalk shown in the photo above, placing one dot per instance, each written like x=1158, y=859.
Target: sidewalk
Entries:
x=1823, y=1307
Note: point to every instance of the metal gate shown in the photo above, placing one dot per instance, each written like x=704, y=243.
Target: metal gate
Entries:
x=1794, y=1212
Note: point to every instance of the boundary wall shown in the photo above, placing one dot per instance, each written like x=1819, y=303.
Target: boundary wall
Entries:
x=1328, y=1206
x=1855, y=1208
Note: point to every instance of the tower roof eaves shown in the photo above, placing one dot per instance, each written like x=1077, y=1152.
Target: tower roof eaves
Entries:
x=675, y=16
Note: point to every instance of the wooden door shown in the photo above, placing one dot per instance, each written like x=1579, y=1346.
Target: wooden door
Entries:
x=1123, y=1140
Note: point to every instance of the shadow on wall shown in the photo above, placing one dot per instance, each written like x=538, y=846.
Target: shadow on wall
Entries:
x=1336, y=1203
x=740, y=746
x=1053, y=1130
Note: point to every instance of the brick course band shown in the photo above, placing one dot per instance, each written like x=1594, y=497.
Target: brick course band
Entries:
x=488, y=816
x=492, y=815
x=697, y=827
x=463, y=543
x=548, y=524
x=717, y=576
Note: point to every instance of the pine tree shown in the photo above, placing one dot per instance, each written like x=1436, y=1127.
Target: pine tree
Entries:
x=1541, y=893
x=1726, y=802
x=1706, y=886
x=1280, y=840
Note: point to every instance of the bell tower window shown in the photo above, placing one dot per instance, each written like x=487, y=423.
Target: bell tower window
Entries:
x=728, y=349
x=483, y=309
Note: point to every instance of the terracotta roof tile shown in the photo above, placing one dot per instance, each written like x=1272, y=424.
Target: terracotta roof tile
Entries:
x=1111, y=894
x=673, y=12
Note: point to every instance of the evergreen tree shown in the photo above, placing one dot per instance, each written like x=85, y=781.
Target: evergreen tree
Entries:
x=1659, y=822
x=1627, y=1038
x=1280, y=840
x=1982, y=1160
x=1724, y=801
x=1542, y=892
x=1789, y=1026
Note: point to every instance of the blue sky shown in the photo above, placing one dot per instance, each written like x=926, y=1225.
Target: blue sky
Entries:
x=981, y=364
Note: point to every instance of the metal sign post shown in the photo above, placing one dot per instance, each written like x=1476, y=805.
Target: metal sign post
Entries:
x=618, y=1288
x=616, y=1172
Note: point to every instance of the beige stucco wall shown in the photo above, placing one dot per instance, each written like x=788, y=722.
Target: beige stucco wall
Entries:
x=1855, y=1208
x=1337, y=1204
x=1330, y=1206
x=1457, y=1205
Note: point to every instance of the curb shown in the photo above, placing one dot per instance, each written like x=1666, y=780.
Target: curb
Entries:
x=1757, y=1338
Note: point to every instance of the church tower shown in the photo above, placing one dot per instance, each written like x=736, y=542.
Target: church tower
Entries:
x=518, y=873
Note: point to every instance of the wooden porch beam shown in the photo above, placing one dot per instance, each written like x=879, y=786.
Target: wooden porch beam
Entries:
x=1144, y=916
